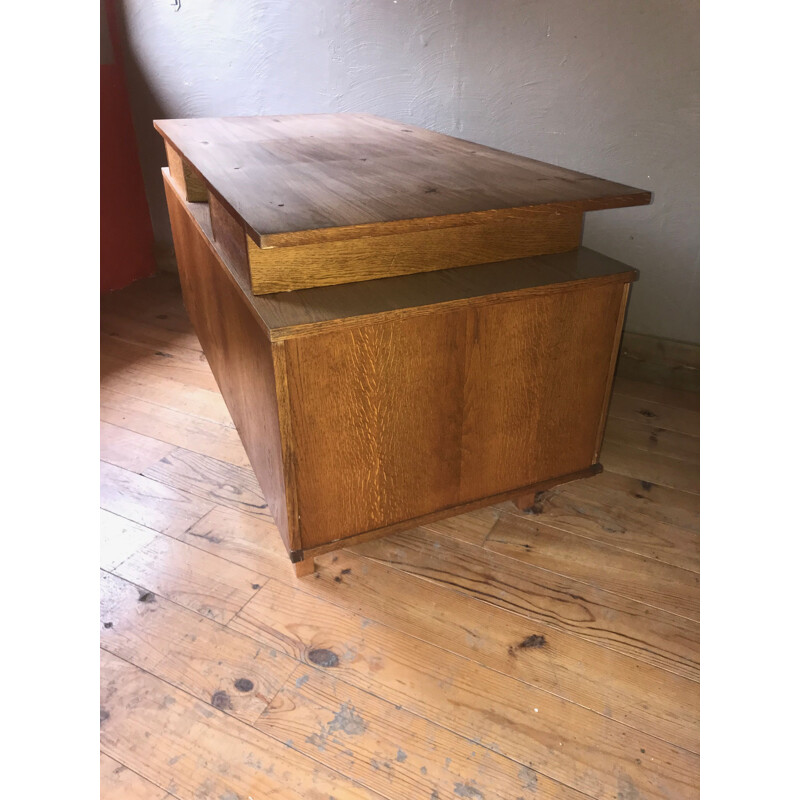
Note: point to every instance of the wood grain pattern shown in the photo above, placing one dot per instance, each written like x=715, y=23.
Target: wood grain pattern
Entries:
x=628, y=574
x=196, y=750
x=213, y=588
x=169, y=425
x=310, y=311
x=148, y=502
x=286, y=268
x=626, y=626
x=241, y=358
x=130, y=450
x=433, y=412
x=380, y=745
x=194, y=653
x=618, y=519
x=534, y=728
x=120, y=783
x=212, y=480
x=186, y=177
x=628, y=690
x=326, y=177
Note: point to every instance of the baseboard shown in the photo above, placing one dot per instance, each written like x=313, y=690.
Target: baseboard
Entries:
x=662, y=361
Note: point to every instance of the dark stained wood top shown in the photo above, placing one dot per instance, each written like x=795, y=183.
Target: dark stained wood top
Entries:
x=320, y=177
x=287, y=314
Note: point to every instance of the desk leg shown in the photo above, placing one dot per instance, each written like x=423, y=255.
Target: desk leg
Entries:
x=305, y=567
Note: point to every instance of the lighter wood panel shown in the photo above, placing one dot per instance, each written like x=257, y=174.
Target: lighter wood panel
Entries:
x=120, y=538
x=282, y=269
x=390, y=393
x=182, y=364
x=535, y=378
x=651, y=467
x=125, y=377
x=660, y=441
x=191, y=184
x=153, y=332
x=668, y=417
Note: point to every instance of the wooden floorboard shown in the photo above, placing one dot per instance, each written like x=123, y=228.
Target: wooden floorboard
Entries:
x=500, y=653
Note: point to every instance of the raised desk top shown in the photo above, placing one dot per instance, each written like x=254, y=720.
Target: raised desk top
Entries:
x=322, y=177
x=305, y=311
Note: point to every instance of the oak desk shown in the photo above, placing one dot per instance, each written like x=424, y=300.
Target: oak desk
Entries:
x=403, y=325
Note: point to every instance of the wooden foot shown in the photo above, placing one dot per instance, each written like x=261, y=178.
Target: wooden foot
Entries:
x=530, y=503
x=304, y=567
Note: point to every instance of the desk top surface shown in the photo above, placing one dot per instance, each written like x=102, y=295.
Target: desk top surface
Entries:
x=293, y=179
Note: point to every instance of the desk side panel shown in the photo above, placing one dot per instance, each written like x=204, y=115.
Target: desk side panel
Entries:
x=396, y=420
x=238, y=352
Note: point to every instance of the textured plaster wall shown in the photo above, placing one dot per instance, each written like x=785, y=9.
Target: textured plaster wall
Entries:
x=609, y=87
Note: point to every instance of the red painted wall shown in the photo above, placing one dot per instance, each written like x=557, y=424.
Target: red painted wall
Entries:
x=126, y=233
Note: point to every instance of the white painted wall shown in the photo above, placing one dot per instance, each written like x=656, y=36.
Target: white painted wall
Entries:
x=609, y=87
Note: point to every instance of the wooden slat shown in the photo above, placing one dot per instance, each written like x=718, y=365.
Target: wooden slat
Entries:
x=191, y=577
x=126, y=378
x=603, y=515
x=595, y=677
x=195, y=750
x=663, y=395
x=215, y=481
x=149, y=334
x=120, y=538
x=652, y=439
x=117, y=782
x=651, y=467
x=251, y=541
x=128, y=449
x=221, y=667
x=662, y=503
x=624, y=625
x=392, y=750
x=671, y=418
x=186, y=366
x=637, y=577
x=568, y=743
x=518, y=235
x=148, y=502
x=181, y=430
x=624, y=689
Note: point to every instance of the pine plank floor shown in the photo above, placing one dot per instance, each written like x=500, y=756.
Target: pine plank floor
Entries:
x=498, y=654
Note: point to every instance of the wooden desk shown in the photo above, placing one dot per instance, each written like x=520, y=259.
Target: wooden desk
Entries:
x=448, y=344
